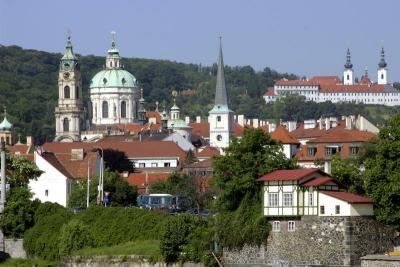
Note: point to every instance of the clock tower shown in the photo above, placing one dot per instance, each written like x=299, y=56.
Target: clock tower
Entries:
x=69, y=112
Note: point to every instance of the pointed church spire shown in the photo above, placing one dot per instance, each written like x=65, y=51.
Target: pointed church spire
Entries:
x=382, y=63
x=348, y=64
x=220, y=89
x=69, y=53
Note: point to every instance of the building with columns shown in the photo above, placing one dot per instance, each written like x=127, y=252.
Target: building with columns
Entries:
x=69, y=113
x=221, y=118
x=335, y=90
x=114, y=92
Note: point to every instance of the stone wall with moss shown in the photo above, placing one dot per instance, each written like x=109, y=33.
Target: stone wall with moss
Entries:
x=327, y=241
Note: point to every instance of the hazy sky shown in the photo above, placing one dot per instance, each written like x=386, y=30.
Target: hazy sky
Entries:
x=305, y=37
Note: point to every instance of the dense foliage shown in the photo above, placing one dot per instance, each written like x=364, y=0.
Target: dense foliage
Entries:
x=348, y=173
x=28, y=87
x=382, y=173
x=20, y=170
x=239, y=198
x=121, y=194
x=55, y=234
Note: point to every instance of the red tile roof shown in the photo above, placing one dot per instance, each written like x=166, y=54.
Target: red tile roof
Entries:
x=355, y=88
x=139, y=179
x=349, y=197
x=301, y=133
x=132, y=149
x=207, y=152
x=289, y=175
x=270, y=91
x=203, y=129
x=335, y=135
x=282, y=134
x=326, y=80
x=365, y=80
x=302, y=154
x=22, y=150
x=285, y=82
x=200, y=164
x=154, y=114
x=319, y=181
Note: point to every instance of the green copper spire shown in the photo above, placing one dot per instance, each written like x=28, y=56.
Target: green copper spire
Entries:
x=221, y=98
x=5, y=125
x=69, y=53
x=382, y=63
x=348, y=64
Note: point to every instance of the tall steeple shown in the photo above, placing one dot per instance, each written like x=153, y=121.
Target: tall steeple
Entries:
x=142, y=110
x=348, y=70
x=220, y=118
x=69, y=112
x=113, y=60
x=221, y=98
x=382, y=70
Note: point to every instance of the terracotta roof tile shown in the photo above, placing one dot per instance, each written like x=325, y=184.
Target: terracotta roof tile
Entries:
x=282, y=134
x=200, y=164
x=288, y=175
x=348, y=197
x=319, y=181
x=139, y=179
x=207, y=152
x=270, y=91
x=335, y=135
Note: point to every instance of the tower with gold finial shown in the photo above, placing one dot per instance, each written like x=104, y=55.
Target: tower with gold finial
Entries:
x=221, y=118
x=348, y=70
x=69, y=112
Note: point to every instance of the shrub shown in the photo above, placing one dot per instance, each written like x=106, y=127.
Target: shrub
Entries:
x=74, y=235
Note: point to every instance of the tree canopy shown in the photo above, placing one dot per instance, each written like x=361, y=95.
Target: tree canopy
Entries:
x=382, y=173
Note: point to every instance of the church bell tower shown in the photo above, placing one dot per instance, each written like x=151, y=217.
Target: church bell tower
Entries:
x=69, y=112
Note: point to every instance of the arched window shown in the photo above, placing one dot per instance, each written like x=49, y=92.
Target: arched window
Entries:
x=105, y=109
x=66, y=125
x=123, y=109
x=66, y=92
x=77, y=92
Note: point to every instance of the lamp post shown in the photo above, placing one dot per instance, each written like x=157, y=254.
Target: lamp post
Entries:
x=3, y=176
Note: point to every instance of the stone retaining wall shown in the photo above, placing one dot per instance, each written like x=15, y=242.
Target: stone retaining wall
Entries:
x=14, y=248
x=380, y=261
x=326, y=241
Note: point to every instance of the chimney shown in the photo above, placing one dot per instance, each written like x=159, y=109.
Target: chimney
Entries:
x=272, y=127
x=235, y=118
x=29, y=141
x=291, y=125
x=198, y=119
x=327, y=167
x=255, y=123
x=240, y=119
x=310, y=124
x=187, y=119
x=327, y=123
x=77, y=154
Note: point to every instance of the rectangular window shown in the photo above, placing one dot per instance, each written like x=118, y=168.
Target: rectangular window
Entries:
x=311, y=151
x=354, y=150
x=276, y=226
x=291, y=226
x=287, y=199
x=142, y=165
x=46, y=192
x=337, y=209
x=273, y=199
x=322, y=210
x=167, y=164
x=218, y=118
x=154, y=164
x=328, y=151
x=310, y=198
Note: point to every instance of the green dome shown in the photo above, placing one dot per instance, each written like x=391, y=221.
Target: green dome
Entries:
x=179, y=124
x=113, y=78
x=5, y=125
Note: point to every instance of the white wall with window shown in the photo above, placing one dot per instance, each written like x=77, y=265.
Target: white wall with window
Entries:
x=336, y=207
x=155, y=162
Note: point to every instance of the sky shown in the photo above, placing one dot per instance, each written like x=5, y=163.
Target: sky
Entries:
x=304, y=37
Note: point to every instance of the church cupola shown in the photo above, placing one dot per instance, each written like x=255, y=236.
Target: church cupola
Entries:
x=382, y=70
x=348, y=70
x=175, y=111
x=142, y=110
x=6, y=130
x=113, y=60
x=221, y=118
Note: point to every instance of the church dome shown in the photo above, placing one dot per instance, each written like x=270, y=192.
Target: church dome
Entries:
x=113, y=78
x=5, y=125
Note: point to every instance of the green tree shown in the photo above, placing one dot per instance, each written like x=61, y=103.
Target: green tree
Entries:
x=120, y=192
x=246, y=160
x=20, y=170
x=382, y=174
x=349, y=174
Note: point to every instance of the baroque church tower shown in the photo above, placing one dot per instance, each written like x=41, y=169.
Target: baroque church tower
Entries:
x=221, y=118
x=348, y=70
x=69, y=111
x=382, y=69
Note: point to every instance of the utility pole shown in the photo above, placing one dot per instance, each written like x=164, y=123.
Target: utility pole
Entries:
x=3, y=176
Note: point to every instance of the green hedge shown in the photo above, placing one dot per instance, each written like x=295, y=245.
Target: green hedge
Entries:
x=105, y=226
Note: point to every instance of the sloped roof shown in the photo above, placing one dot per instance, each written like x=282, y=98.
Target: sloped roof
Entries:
x=300, y=132
x=348, y=197
x=289, y=175
x=282, y=134
x=319, y=181
x=302, y=154
x=270, y=92
x=139, y=179
x=207, y=152
x=200, y=164
x=22, y=150
x=335, y=135
x=326, y=80
x=132, y=149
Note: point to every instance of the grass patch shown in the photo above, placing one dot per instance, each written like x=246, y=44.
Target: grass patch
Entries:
x=29, y=263
x=148, y=248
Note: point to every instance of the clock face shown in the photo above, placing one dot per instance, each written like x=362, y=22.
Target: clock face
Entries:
x=66, y=75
